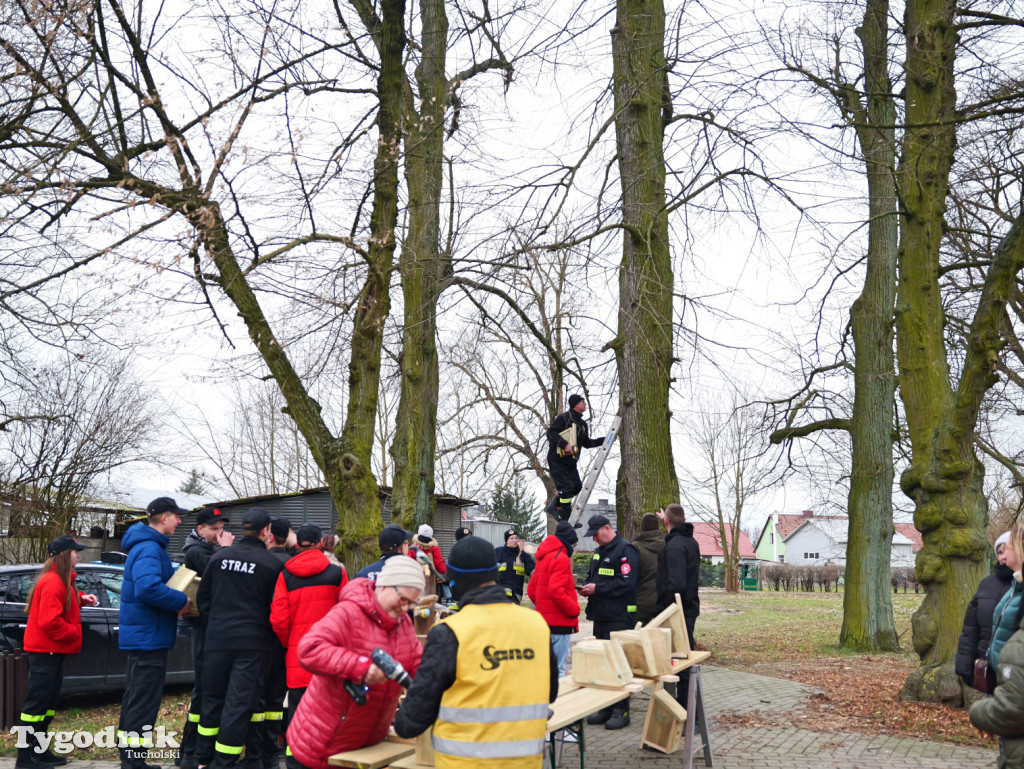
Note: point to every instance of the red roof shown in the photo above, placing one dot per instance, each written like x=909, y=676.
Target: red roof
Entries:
x=707, y=536
x=790, y=523
x=908, y=531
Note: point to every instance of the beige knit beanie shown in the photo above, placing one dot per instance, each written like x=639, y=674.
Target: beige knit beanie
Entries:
x=401, y=571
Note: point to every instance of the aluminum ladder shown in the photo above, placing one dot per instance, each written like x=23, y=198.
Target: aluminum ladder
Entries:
x=580, y=503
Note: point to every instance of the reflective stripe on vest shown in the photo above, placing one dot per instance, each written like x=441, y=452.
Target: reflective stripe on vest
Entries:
x=504, y=656
x=606, y=572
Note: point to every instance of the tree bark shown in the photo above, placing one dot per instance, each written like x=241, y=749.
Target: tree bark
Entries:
x=945, y=477
x=644, y=345
x=867, y=606
x=425, y=269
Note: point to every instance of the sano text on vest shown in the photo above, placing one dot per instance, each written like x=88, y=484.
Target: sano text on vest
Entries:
x=496, y=657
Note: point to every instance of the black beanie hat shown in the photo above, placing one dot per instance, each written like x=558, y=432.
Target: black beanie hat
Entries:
x=574, y=399
x=470, y=564
x=565, y=532
x=509, y=533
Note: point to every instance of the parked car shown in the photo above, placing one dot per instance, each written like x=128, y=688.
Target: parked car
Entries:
x=101, y=665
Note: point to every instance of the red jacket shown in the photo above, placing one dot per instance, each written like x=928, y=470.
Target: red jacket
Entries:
x=307, y=588
x=431, y=549
x=51, y=627
x=335, y=650
x=552, y=587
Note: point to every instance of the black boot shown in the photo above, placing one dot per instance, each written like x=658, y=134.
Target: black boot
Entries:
x=29, y=759
x=46, y=756
x=620, y=717
x=600, y=716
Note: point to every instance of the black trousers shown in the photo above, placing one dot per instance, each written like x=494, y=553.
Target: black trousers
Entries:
x=566, y=476
x=140, y=704
x=45, y=676
x=684, y=678
x=233, y=706
x=190, y=734
x=603, y=631
x=273, y=714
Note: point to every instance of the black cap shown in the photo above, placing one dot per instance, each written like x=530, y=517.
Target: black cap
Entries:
x=574, y=400
x=280, y=527
x=391, y=538
x=162, y=505
x=510, y=533
x=596, y=522
x=308, y=534
x=256, y=518
x=210, y=515
x=462, y=532
x=59, y=545
x=565, y=532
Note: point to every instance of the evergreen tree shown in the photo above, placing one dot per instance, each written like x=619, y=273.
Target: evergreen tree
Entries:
x=193, y=484
x=513, y=503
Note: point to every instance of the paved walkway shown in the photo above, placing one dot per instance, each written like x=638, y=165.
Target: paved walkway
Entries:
x=738, y=747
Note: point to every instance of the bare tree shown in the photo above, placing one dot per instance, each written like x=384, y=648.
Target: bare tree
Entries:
x=90, y=417
x=730, y=470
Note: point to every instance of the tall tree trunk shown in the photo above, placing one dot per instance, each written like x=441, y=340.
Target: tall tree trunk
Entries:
x=867, y=606
x=945, y=477
x=359, y=513
x=424, y=270
x=643, y=347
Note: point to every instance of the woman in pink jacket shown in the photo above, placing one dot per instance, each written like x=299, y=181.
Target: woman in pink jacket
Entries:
x=369, y=615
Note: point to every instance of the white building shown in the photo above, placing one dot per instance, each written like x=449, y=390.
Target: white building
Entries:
x=818, y=541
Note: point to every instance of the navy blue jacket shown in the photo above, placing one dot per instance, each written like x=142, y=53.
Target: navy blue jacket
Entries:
x=149, y=609
x=373, y=570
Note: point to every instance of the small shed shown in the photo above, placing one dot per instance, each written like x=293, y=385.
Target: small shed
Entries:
x=492, y=531
x=316, y=506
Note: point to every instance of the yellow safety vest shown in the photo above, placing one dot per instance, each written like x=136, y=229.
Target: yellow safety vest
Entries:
x=495, y=714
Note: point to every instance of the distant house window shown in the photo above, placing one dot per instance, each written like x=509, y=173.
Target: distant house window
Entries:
x=771, y=538
x=782, y=559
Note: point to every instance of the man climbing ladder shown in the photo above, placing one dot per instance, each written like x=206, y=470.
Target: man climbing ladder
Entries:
x=567, y=435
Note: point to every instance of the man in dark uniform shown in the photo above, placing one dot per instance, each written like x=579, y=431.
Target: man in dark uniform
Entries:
x=200, y=545
x=514, y=565
x=679, y=572
x=563, y=457
x=235, y=597
x=393, y=541
x=277, y=679
x=610, y=587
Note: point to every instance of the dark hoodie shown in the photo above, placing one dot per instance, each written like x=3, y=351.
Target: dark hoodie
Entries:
x=649, y=543
x=148, y=615
x=197, y=552
x=679, y=570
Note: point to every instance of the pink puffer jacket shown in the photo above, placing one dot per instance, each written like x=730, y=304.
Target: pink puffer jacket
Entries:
x=336, y=649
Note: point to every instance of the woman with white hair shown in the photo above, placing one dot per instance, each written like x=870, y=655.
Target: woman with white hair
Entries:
x=977, y=632
x=369, y=615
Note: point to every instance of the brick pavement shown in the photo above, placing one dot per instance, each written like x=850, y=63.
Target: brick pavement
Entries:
x=739, y=747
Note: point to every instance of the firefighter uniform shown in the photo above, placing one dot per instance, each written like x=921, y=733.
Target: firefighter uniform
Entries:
x=614, y=571
x=235, y=595
x=514, y=566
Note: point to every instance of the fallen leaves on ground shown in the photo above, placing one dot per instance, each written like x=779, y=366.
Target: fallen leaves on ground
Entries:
x=862, y=694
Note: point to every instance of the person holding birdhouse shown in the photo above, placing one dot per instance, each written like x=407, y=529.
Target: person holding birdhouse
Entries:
x=568, y=433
